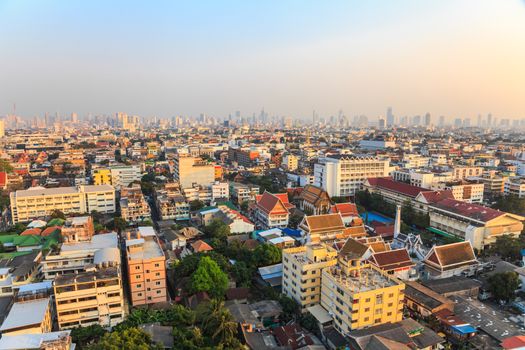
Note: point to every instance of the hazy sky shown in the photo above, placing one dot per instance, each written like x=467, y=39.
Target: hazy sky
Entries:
x=451, y=57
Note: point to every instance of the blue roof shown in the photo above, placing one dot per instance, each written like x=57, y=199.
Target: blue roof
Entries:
x=291, y=232
x=523, y=252
x=465, y=329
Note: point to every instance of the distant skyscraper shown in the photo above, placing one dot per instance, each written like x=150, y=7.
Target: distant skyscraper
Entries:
x=458, y=122
x=489, y=120
x=428, y=120
x=74, y=118
x=441, y=120
x=381, y=123
x=390, y=119
x=416, y=120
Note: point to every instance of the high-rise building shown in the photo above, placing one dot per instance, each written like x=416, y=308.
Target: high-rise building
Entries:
x=428, y=120
x=343, y=175
x=381, y=123
x=2, y=127
x=390, y=120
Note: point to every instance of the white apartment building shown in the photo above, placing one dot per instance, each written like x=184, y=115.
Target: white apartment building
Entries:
x=515, y=186
x=122, y=176
x=415, y=161
x=220, y=190
x=344, y=174
x=37, y=202
x=463, y=172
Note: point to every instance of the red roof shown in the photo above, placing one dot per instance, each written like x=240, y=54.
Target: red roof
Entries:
x=436, y=196
x=393, y=259
x=472, y=211
x=201, y=246
x=49, y=230
x=346, y=209
x=3, y=178
x=292, y=336
x=515, y=342
x=273, y=203
x=31, y=231
x=388, y=183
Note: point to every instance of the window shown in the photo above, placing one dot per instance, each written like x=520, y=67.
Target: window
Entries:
x=377, y=320
x=366, y=319
x=367, y=309
x=367, y=300
x=137, y=267
x=379, y=311
x=389, y=314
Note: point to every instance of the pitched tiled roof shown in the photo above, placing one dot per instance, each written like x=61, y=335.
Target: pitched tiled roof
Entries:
x=353, y=249
x=395, y=186
x=31, y=231
x=325, y=222
x=392, y=259
x=50, y=230
x=201, y=246
x=436, y=196
x=346, y=209
x=472, y=211
x=313, y=194
x=452, y=255
x=273, y=203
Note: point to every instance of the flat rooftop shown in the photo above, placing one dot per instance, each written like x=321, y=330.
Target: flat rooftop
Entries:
x=150, y=249
x=26, y=314
x=30, y=341
x=88, y=276
x=104, y=240
x=368, y=279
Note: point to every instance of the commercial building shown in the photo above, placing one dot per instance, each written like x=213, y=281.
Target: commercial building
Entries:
x=146, y=266
x=302, y=269
x=515, y=186
x=464, y=172
x=190, y=171
x=38, y=202
x=91, y=297
x=343, y=175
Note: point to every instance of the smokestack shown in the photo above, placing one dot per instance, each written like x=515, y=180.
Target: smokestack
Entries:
x=397, y=223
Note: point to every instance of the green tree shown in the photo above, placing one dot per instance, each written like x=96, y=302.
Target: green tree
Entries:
x=217, y=229
x=196, y=205
x=83, y=336
x=209, y=278
x=244, y=206
x=290, y=308
x=502, y=285
x=242, y=273
x=218, y=324
x=130, y=339
x=266, y=254
x=5, y=166
x=507, y=247
x=57, y=214
x=119, y=224
x=511, y=204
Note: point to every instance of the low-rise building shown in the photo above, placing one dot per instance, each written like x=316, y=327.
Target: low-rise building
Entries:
x=271, y=210
x=449, y=260
x=91, y=297
x=515, y=186
x=314, y=200
x=28, y=317
x=302, y=269
x=133, y=205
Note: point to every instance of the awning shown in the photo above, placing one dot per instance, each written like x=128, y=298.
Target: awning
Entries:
x=443, y=233
x=465, y=329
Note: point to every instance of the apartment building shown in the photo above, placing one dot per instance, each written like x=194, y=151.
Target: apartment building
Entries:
x=243, y=156
x=494, y=183
x=124, y=175
x=344, y=174
x=133, y=205
x=360, y=295
x=78, y=229
x=515, y=186
x=415, y=161
x=470, y=192
x=74, y=256
x=189, y=171
x=302, y=268
x=91, y=297
x=290, y=162
x=243, y=192
x=37, y=202
x=146, y=265
x=101, y=176
x=463, y=172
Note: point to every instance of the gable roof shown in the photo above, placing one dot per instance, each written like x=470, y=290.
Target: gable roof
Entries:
x=473, y=211
x=431, y=197
x=345, y=209
x=314, y=194
x=353, y=249
x=392, y=259
x=201, y=246
x=324, y=222
x=388, y=183
x=273, y=203
x=451, y=255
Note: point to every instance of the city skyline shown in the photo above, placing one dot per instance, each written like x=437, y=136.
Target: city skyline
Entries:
x=451, y=58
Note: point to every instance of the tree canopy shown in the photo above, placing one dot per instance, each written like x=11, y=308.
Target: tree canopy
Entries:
x=503, y=285
x=209, y=278
x=130, y=338
x=266, y=254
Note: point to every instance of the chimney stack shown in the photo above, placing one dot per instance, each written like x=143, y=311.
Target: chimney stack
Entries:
x=397, y=223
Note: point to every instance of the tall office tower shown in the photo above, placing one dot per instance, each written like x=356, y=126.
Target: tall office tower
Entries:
x=343, y=175
x=466, y=123
x=428, y=120
x=381, y=123
x=390, y=119
x=403, y=121
x=441, y=120
x=74, y=118
x=480, y=121
x=2, y=127
x=416, y=120
x=458, y=122
x=489, y=120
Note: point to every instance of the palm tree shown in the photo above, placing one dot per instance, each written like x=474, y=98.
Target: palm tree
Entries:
x=218, y=323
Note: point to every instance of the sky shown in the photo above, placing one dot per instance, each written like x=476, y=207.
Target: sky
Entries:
x=457, y=58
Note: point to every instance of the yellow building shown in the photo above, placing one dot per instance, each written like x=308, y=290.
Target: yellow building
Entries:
x=28, y=317
x=302, y=268
x=359, y=295
x=91, y=297
x=101, y=176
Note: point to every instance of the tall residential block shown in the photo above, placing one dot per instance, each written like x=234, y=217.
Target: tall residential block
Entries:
x=190, y=171
x=146, y=267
